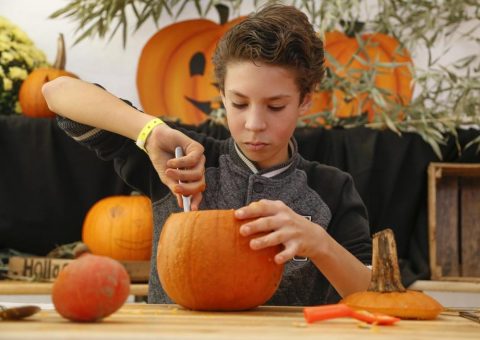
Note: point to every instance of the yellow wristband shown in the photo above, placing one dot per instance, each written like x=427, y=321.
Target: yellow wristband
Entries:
x=146, y=130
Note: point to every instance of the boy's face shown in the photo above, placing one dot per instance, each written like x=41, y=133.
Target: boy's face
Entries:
x=262, y=104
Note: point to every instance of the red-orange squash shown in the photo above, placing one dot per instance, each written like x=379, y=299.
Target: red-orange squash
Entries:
x=205, y=264
x=30, y=96
x=175, y=73
x=378, y=47
x=120, y=227
x=90, y=288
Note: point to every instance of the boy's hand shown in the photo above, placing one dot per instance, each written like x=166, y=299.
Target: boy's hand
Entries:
x=299, y=236
x=189, y=169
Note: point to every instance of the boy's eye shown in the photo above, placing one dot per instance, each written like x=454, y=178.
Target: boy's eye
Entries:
x=276, y=108
x=239, y=106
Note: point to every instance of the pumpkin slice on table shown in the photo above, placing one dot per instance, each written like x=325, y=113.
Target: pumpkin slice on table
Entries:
x=386, y=294
x=204, y=263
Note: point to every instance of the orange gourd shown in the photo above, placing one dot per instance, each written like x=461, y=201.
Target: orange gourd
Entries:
x=205, y=264
x=175, y=74
x=30, y=95
x=120, y=227
x=386, y=294
x=377, y=47
x=90, y=288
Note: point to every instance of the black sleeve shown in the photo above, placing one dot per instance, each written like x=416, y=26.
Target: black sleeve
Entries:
x=349, y=225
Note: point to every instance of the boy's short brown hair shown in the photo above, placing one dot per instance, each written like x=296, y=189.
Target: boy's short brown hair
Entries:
x=277, y=35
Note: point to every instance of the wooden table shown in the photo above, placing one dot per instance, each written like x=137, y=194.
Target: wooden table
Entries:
x=142, y=321
x=11, y=287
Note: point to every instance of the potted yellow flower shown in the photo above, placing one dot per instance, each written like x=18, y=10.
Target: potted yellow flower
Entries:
x=18, y=57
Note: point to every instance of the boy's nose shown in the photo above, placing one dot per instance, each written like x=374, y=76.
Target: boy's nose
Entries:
x=255, y=120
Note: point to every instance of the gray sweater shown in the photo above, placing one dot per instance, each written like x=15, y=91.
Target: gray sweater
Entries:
x=321, y=193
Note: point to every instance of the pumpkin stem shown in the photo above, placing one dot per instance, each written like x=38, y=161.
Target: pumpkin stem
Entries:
x=352, y=27
x=385, y=271
x=223, y=13
x=60, y=59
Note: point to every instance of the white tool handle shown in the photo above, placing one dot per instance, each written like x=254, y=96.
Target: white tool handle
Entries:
x=185, y=199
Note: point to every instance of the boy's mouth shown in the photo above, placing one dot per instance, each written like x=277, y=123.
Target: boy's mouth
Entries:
x=255, y=146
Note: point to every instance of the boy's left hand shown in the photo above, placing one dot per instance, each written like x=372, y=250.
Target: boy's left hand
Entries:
x=299, y=236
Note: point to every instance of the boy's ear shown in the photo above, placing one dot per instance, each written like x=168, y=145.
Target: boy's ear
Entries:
x=306, y=104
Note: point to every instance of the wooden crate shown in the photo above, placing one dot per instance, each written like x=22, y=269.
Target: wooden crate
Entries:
x=454, y=221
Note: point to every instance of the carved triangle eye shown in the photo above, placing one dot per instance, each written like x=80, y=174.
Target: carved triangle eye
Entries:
x=197, y=64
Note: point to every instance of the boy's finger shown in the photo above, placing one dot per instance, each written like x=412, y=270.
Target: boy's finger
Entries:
x=253, y=210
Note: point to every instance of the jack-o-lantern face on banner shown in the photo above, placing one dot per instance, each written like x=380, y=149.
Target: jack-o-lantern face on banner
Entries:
x=175, y=74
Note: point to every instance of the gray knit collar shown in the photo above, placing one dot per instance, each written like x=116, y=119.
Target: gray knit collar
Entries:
x=270, y=172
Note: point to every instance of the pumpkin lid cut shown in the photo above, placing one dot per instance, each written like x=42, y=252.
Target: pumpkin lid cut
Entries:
x=386, y=293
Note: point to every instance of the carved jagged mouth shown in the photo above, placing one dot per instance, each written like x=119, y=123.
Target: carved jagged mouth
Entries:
x=132, y=245
x=205, y=106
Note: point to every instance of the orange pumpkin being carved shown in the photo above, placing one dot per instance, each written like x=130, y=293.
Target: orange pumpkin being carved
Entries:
x=205, y=264
x=120, y=227
x=353, y=60
x=175, y=73
x=30, y=95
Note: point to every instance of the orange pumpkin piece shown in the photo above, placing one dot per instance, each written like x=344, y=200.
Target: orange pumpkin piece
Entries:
x=386, y=294
x=30, y=96
x=352, y=60
x=120, y=227
x=175, y=74
x=90, y=288
x=205, y=264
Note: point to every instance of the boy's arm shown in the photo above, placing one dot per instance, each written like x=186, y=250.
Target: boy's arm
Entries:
x=89, y=104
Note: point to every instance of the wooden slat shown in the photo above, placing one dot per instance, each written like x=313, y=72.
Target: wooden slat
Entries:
x=470, y=227
x=447, y=226
x=457, y=169
x=446, y=286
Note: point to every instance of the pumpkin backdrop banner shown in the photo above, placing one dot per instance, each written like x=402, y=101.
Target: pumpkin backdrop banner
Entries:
x=175, y=71
x=368, y=58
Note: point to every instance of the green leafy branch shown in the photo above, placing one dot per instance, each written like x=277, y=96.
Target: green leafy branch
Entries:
x=98, y=18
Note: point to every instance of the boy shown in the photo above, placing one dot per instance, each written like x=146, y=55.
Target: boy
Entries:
x=266, y=67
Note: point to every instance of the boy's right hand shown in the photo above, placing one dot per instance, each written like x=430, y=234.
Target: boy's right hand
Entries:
x=189, y=169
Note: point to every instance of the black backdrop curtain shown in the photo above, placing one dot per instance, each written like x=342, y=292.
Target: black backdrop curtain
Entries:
x=48, y=182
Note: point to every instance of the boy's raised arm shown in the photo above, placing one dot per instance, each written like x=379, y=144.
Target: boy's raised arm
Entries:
x=89, y=104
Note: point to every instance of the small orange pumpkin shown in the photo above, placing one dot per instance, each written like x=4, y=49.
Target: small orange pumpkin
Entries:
x=378, y=47
x=120, y=227
x=90, y=288
x=205, y=264
x=175, y=74
x=30, y=95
